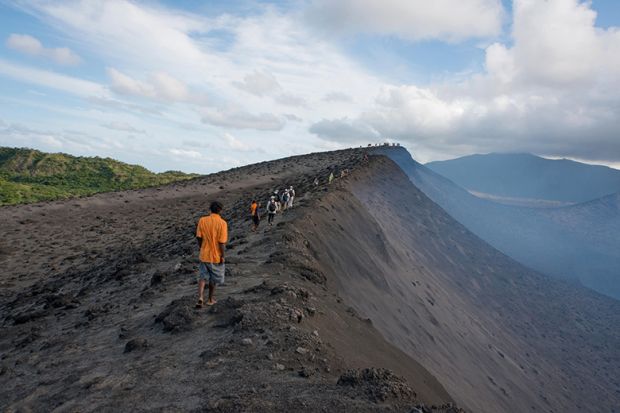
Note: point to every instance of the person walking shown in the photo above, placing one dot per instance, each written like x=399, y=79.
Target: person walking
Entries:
x=255, y=214
x=286, y=196
x=212, y=236
x=316, y=181
x=291, y=197
x=272, y=208
x=331, y=178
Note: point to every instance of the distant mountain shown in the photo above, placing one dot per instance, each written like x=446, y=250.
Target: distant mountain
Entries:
x=506, y=178
x=28, y=175
x=579, y=242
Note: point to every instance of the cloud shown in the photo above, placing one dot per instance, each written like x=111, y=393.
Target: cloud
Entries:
x=161, y=86
x=343, y=130
x=234, y=143
x=51, y=80
x=29, y=45
x=114, y=104
x=451, y=20
x=551, y=92
x=185, y=153
x=123, y=127
x=292, y=117
x=259, y=83
x=337, y=97
x=242, y=120
x=288, y=99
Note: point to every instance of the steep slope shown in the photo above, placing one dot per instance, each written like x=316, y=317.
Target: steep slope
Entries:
x=27, y=175
x=500, y=337
x=564, y=242
x=530, y=177
x=97, y=301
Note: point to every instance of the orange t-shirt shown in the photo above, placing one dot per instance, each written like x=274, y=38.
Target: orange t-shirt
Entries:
x=253, y=208
x=214, y=231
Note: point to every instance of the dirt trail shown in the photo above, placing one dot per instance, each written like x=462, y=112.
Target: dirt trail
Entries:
x=98, y=307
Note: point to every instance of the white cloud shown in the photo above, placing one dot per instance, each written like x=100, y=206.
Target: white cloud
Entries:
x=51, y=80
x=237, y=119
x=123, y=127
x=288, y=99
x=161, y=86
x=259, y=83
x=452, y=20
x=185, y=153
x=337, y=97
x=29, y=45
x=552, y=91
x=292, y=117
x=234, y=143
x=344, y=130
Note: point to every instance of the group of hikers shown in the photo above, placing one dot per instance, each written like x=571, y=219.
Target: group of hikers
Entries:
x=212, y=235
x=279, y=201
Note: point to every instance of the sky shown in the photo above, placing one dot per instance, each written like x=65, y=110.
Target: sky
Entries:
x=201, y=86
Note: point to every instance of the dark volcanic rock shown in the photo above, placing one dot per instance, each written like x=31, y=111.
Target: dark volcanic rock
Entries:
x=136, y=344
x=180, y=315
x=378, y=384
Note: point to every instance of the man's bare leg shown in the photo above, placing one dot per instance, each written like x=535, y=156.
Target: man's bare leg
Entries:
x=201, y=291
x=211, y=299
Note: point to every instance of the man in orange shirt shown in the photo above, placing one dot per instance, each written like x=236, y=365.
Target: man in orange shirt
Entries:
x=212, y=235
x=255, y=215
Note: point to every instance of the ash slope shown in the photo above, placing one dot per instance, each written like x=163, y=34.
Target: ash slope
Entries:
x=500, y=337
x=97, y=307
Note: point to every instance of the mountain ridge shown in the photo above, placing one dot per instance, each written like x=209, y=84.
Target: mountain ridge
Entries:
x=524, y=175
x=351, y=281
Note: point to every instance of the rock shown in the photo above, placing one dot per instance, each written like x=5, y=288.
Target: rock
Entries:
x=311, y=311
x=305, y=372
x=136, y=344
x=177, y=266
x=301, y=350
x=157, y=278
x=315, y=333
x=246, y=341
x=279, y=366
x=270, y=356
x=379, y=384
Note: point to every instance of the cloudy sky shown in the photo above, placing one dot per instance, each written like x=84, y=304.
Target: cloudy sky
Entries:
x=202, y=86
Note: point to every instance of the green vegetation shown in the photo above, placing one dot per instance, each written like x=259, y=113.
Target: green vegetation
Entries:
x=27, y=175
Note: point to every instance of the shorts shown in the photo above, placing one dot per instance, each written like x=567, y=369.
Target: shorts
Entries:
x=212, y=273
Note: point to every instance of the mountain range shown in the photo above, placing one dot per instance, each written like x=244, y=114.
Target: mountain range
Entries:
x=577, y=242
x=512, y=177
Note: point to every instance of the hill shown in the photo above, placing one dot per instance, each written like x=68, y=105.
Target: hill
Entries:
x=517, y=178
x=364, y=297
x=28, y=175
x=578, y=242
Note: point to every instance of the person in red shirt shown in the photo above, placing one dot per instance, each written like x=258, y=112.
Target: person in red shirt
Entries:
x=212, y=236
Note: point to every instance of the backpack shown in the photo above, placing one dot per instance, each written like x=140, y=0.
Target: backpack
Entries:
x=272, y=207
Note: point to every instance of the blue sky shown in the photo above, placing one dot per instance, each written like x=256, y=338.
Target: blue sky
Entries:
x=204, y=86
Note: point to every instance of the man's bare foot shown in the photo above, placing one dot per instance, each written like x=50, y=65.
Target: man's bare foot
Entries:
x=212, y=302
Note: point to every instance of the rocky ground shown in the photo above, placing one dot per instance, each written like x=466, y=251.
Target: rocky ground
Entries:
x=97, y=307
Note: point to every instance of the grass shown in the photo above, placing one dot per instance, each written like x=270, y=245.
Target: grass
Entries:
x=28, y=175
